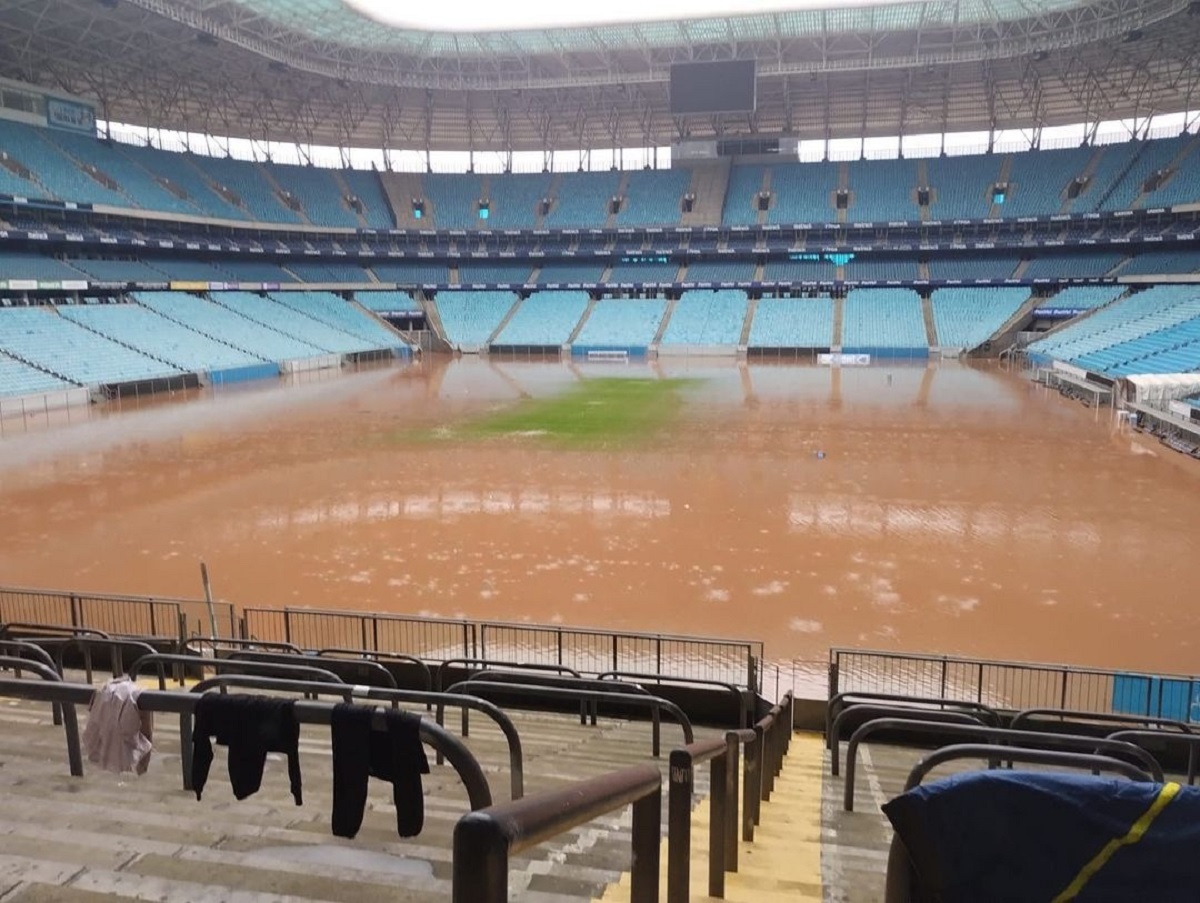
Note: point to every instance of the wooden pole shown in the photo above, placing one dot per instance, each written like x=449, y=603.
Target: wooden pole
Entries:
x=212, y=614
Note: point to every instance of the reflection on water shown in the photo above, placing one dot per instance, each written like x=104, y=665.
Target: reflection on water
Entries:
x=945, y=508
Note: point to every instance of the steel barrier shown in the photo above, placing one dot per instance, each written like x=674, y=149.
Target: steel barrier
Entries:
x=69, y=720
x=898, y=712
x=359, y=671
x=1191, y=741
x=158, y=660
x=739, y=696
x=840, y=701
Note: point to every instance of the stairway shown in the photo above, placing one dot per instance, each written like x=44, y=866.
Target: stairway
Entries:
x=539, y=221
x=922, y=182
x=1003, y=177
x=1112, y=186
x=766, y=186
x=710, y=181
x=579, y=326
x=622, y=190
x=839, y=310
x=783, y=862
x=434, y=318
x=119, y=341
x=844, y=185
x=747, y=324
x=931, y=337
x=401, y=189
x=1086, y=174
x=346, y=192
x=1174, y=167
x=662, y=327
x=94, y=173
x=280, y=193
x=503, y=322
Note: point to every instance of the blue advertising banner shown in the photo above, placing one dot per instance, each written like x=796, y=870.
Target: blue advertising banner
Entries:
x=70, y=116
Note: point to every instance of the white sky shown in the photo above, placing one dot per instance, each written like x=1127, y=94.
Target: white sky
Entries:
x=489, y=15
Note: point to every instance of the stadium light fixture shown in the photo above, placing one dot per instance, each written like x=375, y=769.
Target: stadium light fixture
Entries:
x=467, y=16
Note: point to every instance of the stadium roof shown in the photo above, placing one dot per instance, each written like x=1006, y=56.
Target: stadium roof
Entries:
x=323, y=72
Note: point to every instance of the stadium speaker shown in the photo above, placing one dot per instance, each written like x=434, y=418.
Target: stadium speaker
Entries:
x=764, y=200
x=208, y=40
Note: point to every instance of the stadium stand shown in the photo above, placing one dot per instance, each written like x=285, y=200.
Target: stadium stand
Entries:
x=720, y=271
x=190, y=270
x=1083, y=297
x=644, y=272
x=177, y=171
x=968, y=317
x=741, y=208
x=57, y=345
x=19, y=378
x=1149, y=157
x=803, y=193
x=707, y=318
x=455, y=199
x=366, y=187
x=581, y=199
x=469, y=318
x=333, y=311
x=320, y=335
x=143, y=329
x=320, y=271
x=28, y=265
x=792, y=323
x=1182, y=184
x=386, y=302
x=411, y=273
x=1153, y=263
x=560, y=271
x=962, y=186
x=883, y=191
x=621, y=323
x=514, y=200
x=799, y=271
x=1111, y=161
x=883, y=321
x=1038, y=180
x=544, y=319
x=880, y=269
x=972, y=268
x=498, y=271
x=653, y=197
x=1065, y=266
x=249, y=183
x=222, y=324
x=256, y=271
x=317, y=192
x=53, y=170
x=117, y=270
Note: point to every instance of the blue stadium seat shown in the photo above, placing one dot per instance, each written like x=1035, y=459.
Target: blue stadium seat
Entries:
x=883, y=191
x=455, y=199
x=707, y=318
x=224, y=325
x=1063, y=266
x=323, y=200
x=341, y=315
x=654, y=197
x=514, y=199
x=469, y=318
x=544, y=319
x=411, y=272
x=494, y=272
x=883, y=321
x=968, y=317
x=387, y=302
x=720, y=271
x=567, y=271
x=622, y=323
x=19, y=378
x=329, y=339
x=581, y=200
x=792, y=323
x=971, y=268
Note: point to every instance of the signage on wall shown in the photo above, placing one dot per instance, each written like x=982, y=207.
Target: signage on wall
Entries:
x=70, y=115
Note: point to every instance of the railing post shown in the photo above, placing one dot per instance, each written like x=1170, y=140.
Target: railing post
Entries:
x=363, y=632
x=647, y=838
x=732, y=762
x=750, y=786
x=655, y=728
x=751, y=681
x=559, y=634
x=942, y=692
x=473, y=644
x=718, y=819
x=480, y=861
x=679, y=826
x=76, y=614
x=287, y=626
x=615, y=666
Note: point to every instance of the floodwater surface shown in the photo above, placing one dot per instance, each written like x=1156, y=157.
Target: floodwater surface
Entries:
x=949, y=509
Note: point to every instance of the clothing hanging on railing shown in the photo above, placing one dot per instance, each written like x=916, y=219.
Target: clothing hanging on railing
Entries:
x=393, y=754
x=118, y=736
x=251, y=726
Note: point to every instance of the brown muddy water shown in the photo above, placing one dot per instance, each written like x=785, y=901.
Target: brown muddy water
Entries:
x=957, y=510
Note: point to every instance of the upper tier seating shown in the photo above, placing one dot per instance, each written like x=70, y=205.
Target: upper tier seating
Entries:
x=1183, y=184
x=803, y=193
x=644, y=272
x=249, y=182
x=366, y=187
x=883, y=191
x=968, y=317
x=1083, y=297
x=470, y=318
x=653, y=197
x=243, y=270
x=177, y=170
x=796, y=271
x=411, y=272
x=581, y=199
x=962, y=186
x=43, y=338
x=326, y=271
x=53, y=169
x=883, y=320
x=455, y=199
x=143, y=329
x=1063, y=266
x=741, y=196
x=277, y=316
x=559, y=271
x=18, y=378
x=322, y=199
x=118, y=270
x=544, y=319
x=1151, y=157
x=622, y=323
x=225, y=326
x=1152, y=263
x=514, y=200
x=1111, y=161
x=720, y=271
x=499, y=271
x=971, y=268
x=191, y=270
x=28, y=265
x=382, y=302
x=333, y=311
x=1038, y=180
x=707, y=318
x=867, y=269
x=792, y=323
x=1156, y=308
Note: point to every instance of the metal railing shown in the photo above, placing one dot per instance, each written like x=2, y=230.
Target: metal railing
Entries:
x=447, y=665
x=69, y=695
x=484, y=840
x=740, y=700
x=146, y=616
x=900, y=713
x=1002, y=684
x=350, y=670
x=181, y=663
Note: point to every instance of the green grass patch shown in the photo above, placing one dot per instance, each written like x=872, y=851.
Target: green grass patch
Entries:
x=595, y=412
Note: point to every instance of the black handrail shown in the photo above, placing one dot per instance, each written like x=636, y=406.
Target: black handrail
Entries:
x=18, y=648
x=764, y=758
x=886, y=711
x=484, y=840
x=655, y=704
x=197, y=644
x=683, y=762
x=353, y=670
x=115, y=647
x=184, y=704
x=739, y=695
x=1025, y=756
x=49, y=628
x=303, y=672
x=525, y=666
x=1076, y=716
x=69, y=720
x=381, y=657
x=618, y=687
x=1033, y=739
x=1191, y=741
x=838, y=703
x=516, y=755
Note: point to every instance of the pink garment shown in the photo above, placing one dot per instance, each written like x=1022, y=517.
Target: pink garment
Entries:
x=118, y=734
